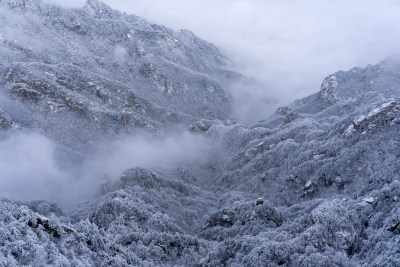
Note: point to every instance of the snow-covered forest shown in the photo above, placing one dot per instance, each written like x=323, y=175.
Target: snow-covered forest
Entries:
x=119, y=147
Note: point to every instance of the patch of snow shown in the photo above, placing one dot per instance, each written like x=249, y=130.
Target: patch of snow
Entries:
x=369, y=200
x=350, y=130
x=359, y=119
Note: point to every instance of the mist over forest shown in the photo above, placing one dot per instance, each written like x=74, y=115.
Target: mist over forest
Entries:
x=199, y=133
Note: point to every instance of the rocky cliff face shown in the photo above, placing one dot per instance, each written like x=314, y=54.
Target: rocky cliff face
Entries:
x=315, y=184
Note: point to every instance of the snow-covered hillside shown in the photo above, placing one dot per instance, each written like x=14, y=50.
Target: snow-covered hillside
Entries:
x=126, y=126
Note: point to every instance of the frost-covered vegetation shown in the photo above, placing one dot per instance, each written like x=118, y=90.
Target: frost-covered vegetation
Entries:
x=316, y=184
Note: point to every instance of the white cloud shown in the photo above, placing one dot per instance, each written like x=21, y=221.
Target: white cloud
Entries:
x=31, y=169
x=28, y=168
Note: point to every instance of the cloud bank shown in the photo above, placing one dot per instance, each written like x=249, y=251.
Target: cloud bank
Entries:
x=28, y=167
x=31, y=169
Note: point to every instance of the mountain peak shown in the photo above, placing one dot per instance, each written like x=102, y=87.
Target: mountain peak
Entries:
x=100, y=10
x=132, y=116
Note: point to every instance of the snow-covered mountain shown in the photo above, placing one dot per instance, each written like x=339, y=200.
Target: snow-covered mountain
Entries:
x=117, y=73
x=315, y=184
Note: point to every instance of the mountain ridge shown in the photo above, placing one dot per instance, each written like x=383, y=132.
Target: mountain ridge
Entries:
x=104, y=101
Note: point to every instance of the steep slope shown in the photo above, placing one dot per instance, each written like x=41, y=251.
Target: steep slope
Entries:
x=309, y=145
x=105, y=71
x=329, y=165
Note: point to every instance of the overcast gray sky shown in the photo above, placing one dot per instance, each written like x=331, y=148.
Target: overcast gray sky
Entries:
x=288, y=46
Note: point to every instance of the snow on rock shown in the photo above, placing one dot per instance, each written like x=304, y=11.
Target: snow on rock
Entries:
x=328, y=91
x=369, y=200
x=200, y=126
x=290, y=191
x=386, y=113
x=99, y=9
x=13, y=45
x=290, y=114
